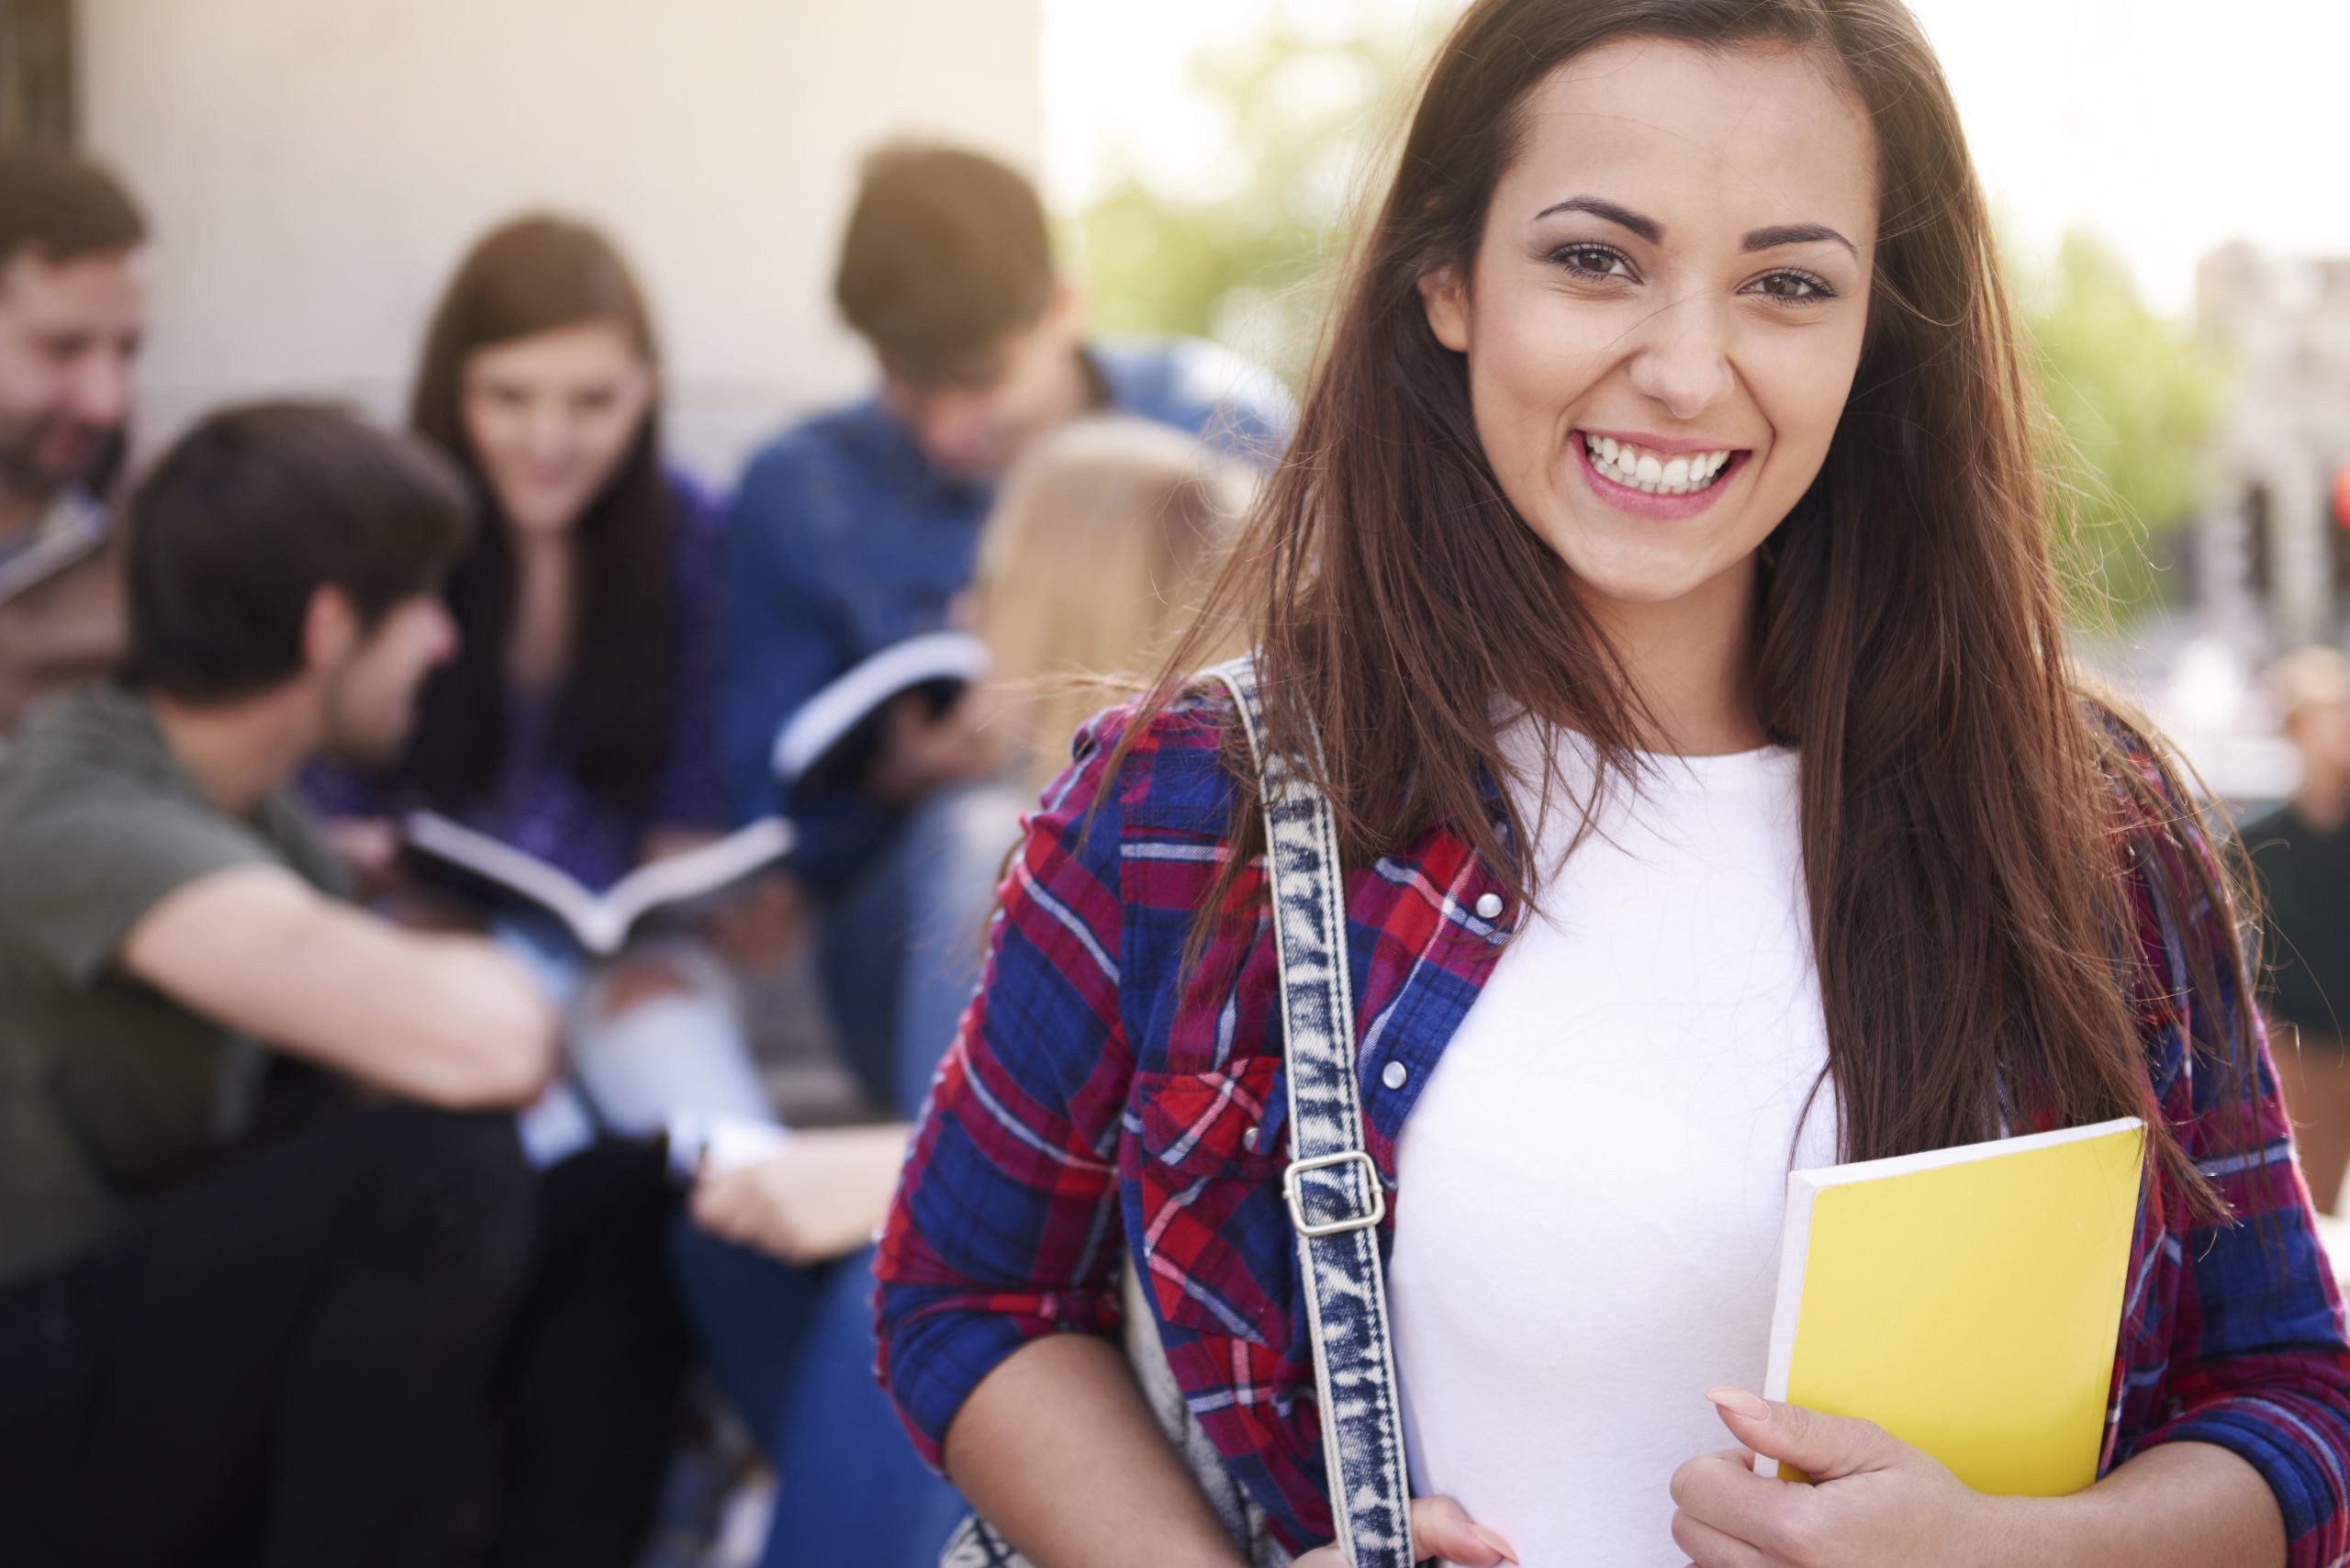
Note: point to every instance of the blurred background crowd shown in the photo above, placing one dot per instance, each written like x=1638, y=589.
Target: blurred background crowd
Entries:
x=760, y=335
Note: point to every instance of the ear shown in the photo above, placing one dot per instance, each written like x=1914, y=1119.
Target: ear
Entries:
x=1444, y=298
x=332, y=629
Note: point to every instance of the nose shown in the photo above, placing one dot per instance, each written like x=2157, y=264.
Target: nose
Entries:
x=953, y=429
x=1683, y=360
x=546, y=432
x=101, y=387
x=446, y=639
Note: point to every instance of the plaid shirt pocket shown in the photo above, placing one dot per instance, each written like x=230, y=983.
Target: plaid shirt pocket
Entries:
x=1202, y=1183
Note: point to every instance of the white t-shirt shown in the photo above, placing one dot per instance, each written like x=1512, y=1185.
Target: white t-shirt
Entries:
x=1590, y=1188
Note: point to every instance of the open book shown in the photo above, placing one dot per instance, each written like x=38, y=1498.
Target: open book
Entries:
x=600, y=922
x=1967, y=1300
x=74, y=531
x=831, y=740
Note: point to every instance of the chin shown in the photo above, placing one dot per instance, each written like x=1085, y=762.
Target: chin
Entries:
x=1639, y=577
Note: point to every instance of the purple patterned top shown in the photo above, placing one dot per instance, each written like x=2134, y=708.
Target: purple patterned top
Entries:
x=541, y=806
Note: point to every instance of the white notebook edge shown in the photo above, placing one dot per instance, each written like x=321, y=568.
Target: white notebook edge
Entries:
x=1794, y=1230
x=1960, y=1154
x=47, y=558
x=1786, y=1303
x=718, y=864
x=818, y=723
x=601, y=924
x=556, y=890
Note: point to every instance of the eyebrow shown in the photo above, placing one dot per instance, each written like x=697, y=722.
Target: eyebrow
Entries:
x=1650, y=229
x=1798, y=234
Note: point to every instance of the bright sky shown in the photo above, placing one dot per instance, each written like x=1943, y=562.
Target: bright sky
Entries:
x=2169, y=127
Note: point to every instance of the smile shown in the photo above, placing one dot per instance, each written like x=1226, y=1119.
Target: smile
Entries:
x=1652, y=483
x=1638, y=468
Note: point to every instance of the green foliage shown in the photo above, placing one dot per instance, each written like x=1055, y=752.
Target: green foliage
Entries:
x=2137, y=402
x=1249, y=257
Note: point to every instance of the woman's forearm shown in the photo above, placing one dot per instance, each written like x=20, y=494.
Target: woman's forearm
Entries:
x=2176, y=1505
x=1057, y=1450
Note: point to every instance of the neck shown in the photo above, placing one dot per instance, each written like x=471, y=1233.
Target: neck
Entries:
x=1692, y=661
x=239, y=752
x=539, y=629
x=1078, y=393
x=542, y=549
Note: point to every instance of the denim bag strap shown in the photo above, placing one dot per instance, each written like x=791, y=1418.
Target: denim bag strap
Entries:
x=1335, y=1204
x=1336, y=1199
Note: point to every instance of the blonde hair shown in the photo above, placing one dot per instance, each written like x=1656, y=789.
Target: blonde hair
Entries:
x=1101, y=547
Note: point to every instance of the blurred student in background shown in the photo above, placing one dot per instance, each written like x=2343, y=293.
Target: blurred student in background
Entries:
x=856, y=528
x=251, y=1296
x=73, y=308
x=1100, y=546
x=2300, y=853
x=576, y=723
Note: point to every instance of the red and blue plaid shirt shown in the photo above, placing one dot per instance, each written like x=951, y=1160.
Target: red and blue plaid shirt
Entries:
x=1102, y=1106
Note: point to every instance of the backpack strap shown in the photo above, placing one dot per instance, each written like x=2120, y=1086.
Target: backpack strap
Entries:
x=1335, y=1201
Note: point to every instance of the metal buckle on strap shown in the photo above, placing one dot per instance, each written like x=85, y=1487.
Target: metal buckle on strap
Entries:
x=1336, y=1227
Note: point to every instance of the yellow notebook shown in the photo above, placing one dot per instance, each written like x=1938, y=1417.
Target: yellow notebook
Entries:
x=1968, y=1299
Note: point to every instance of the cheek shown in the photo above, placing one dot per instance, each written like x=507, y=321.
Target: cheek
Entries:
x=1801, y=381
x=1531, y=360
x=493, y=432
x=22, y=374
x=606, y=436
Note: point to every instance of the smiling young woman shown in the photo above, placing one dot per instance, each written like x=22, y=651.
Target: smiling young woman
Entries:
x=1661, y=564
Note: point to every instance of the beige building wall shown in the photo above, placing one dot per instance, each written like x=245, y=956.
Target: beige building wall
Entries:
x=314, y=168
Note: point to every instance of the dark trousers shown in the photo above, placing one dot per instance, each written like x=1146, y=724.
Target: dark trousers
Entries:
x=284, y=1361
x=586, y=1391
x=275, y=1365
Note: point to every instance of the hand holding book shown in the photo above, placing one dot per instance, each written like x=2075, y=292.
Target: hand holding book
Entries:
x=924, y=748
x=820, y=1196
x=890, y=728
x=1874, y=1499
x=1971, y=1299
x=1878, y=1500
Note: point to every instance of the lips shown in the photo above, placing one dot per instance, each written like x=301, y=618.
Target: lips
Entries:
x=1649, y=481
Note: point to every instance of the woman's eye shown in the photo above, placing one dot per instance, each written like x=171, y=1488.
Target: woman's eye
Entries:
x=1795, y=287
x=1592, y=260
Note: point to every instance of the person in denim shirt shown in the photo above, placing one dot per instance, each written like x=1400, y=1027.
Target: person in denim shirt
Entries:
x=856, y=528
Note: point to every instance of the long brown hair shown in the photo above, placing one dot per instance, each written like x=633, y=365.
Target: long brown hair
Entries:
x=1963, y=794
x=531, y=276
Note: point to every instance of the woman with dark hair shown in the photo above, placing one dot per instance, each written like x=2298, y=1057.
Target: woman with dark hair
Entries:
x=1658, y=592
x=575, y=723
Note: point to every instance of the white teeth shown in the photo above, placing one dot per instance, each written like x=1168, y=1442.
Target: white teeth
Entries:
x=1651, y=472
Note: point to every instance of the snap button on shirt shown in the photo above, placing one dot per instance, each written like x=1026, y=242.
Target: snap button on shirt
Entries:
x=1395, y=1074
x=1489, y=906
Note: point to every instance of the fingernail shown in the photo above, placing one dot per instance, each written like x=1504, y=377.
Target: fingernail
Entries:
x=1509, y=1552
x=1738, y=1402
